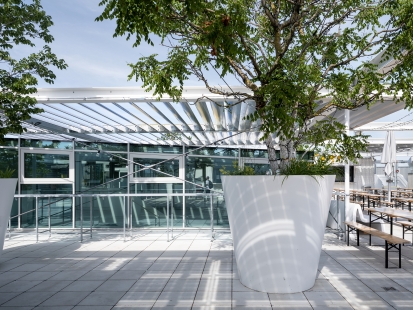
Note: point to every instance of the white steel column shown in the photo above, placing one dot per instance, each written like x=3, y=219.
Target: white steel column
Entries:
x=184, y=158
x=347, y=166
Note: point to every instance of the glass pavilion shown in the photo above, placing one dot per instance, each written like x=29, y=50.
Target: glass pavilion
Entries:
x=99, y=140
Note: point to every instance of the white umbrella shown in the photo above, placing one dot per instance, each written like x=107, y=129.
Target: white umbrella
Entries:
x=388, y=156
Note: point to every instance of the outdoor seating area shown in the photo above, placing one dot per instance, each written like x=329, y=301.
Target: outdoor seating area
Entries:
x=378, y=197
x=189, y=272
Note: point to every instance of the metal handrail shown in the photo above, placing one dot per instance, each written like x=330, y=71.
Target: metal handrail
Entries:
x=129, y=211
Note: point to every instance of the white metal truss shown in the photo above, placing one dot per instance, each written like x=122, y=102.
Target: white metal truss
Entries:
x=130, y=115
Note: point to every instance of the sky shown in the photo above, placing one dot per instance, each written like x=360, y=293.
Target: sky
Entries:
x=96, y=59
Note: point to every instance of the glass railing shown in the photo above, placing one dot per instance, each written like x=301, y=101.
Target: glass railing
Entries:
x=126, y=212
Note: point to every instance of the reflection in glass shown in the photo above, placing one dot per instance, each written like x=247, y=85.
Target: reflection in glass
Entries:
x=197, y=209
x=140, y=148
x=100, y=173
x=60, y=208
x=214, y=151
x=46, y=165
x=170, y=167
x=111, y=147
x=259, y=169
x=151, y=211
x=253, y=153
x=50, y=144
x=10, y=142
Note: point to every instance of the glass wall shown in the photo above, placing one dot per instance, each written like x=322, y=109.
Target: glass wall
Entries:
x=151, y=211
x=169, y=167
x=67, y=167
x=198, y=208
x=46, y=165
x=100, y=173
x=60, y=209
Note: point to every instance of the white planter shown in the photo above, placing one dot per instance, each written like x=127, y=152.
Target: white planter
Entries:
x=277, y=229
x=7, y=190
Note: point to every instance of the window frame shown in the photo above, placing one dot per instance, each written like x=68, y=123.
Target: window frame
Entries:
x=133, y=179
x=69, y=180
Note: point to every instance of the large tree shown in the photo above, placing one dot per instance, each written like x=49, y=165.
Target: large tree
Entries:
x=23, y=23
x=300, y=59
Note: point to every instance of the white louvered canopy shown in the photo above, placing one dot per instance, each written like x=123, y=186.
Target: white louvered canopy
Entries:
x=131, y=115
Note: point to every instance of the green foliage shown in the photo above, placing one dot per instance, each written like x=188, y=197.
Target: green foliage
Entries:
x=302, y=167
x=314, y=169
x=246, y=170
x=23, y=23
x=7, y=174
x=300, y=60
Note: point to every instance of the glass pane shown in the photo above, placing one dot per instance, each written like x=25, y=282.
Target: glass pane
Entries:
x=60, y=208
x=46, y=165
x=151, y=211
x=97, y=173
x=213, y=151
x=198, y=168
x=256, y=153
x=170, y=167
x=114, y=147
x=155, y=149
x=198, y=212
x=305, y=155
x=62, y=145
x=9, y=158
x=10, y=143
x=259, y=169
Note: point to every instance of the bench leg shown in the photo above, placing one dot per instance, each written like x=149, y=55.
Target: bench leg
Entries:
x=400, y=255
x=348, y=235
x=358, y=237
x=386, y=256
x=403, y=233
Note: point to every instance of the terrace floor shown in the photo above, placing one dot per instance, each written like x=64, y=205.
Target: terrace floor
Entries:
x=189, y=272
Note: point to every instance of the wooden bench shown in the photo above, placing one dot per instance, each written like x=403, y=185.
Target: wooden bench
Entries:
x=390, y=240
x=407, y=226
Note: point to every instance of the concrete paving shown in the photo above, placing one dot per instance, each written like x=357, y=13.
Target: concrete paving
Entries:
x=189, y=272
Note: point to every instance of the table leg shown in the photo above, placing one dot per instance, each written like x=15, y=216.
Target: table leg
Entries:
x=370, y=227
x=391, y=225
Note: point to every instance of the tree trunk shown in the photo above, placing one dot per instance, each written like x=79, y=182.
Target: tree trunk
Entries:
x=287, y=152
x=272, y=157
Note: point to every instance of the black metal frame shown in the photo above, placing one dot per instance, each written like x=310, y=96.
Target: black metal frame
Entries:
x=388, y=246
x=406, y=228
x=382, y=216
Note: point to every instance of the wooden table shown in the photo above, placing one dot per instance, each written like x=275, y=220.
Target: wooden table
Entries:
x=373, y=197
x=405, y=200
x=390, y=213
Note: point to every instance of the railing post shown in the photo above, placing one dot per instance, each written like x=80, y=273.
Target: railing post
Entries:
x=91, y=215
x=130, y=215
x=172, y=217
x=37, y=223
x=49, y=222
x=167, y=219
x=124, y=219
x=81, y=219
x=212, y=217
